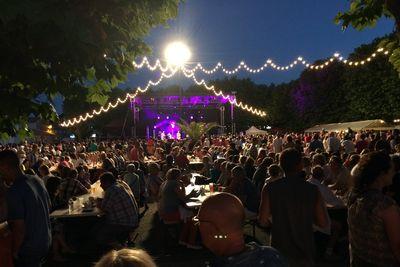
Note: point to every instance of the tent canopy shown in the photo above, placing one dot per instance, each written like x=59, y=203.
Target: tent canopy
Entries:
x=254, y=130
x=378, y=125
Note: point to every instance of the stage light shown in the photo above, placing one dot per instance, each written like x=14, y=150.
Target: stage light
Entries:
x=177, y=54
x=167, y=117
x=191, y=117
x=158, y=117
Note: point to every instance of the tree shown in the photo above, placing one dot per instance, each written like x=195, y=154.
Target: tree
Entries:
x=365, y=13
x=196, y=130
x=63, y=48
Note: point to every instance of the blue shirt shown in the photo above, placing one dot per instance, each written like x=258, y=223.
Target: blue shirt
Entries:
x=254, y=255
x=28, y=200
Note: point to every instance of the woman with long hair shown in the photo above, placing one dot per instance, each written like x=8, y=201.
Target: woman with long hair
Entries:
x=374, y=218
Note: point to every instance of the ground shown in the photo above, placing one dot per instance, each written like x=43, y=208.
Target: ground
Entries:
x=150, y=237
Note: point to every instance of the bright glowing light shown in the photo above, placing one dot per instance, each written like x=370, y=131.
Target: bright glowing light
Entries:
x=177, y=54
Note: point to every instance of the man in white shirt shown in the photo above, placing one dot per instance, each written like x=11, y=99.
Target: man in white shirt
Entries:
x=333, y=143
x=338, y=177
x=317, y=176
x=348, y=145
x=332, y=201
x=277, y=144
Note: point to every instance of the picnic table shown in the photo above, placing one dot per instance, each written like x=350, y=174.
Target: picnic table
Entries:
x=78, y=211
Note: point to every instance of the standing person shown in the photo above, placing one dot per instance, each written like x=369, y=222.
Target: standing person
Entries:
x=333, y=143
x=253, y=150
x=277, y=144
x=338, y=176
x=373, y=217
x=348, y=145
x=294, y=205
x=361, y=144
x=28, y=212
x=316, y=143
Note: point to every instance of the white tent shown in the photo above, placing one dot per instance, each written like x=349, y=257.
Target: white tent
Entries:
x=378, y=125
x=253, y=131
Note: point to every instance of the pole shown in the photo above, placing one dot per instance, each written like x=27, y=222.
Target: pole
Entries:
x=232, y=114
x=222, y=118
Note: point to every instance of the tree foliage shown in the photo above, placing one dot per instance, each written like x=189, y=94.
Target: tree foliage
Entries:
x=366, y=13
x=69, y=48
x=196, y=130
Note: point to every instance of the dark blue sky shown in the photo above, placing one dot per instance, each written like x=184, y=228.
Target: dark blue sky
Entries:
x=254, y=30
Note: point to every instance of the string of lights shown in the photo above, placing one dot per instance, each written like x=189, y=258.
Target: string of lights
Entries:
x=118, y=101
x=231, y=99
x=268, y=63
x=112, y=105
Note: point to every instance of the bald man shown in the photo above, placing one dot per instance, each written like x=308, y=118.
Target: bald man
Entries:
x=220, y=220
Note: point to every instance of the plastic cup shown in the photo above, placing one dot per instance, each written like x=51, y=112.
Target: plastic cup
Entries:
x=211, y=185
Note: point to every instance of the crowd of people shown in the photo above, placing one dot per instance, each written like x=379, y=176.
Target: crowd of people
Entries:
x=310, y=191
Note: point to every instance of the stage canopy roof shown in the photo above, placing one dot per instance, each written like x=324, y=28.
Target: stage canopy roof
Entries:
x=378, y=125
x=254, y=130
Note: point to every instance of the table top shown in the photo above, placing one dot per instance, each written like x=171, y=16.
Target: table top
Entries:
x=96, y=192
x=195, y=202
x=77, y=213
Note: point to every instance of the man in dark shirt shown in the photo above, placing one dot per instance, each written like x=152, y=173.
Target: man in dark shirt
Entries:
x=28, y=212
x=294, y=205
x=220, y=221
x=316, y=143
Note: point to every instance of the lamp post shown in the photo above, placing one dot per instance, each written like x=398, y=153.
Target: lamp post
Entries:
x=232, y=114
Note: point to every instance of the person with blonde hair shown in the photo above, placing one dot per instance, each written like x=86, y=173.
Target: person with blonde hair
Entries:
x=126, y=258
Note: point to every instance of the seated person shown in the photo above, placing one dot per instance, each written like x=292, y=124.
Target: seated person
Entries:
x=52, y=183
x=205, y=171
x=169, y=164
x=126, y=258
x=216, y=170
x=120, y=208
x=132, y=179
x=274, y=172
x=181, y=160
x=172, y=196
x=262, y=173
x=84, y=176
x=172, y=203
x=154, y=181
x=70, y=187
x=220, y=221
x=244, y=189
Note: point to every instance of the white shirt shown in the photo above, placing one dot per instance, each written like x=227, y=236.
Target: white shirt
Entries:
x=348, y=146
x=333, y=144
x=329, y=197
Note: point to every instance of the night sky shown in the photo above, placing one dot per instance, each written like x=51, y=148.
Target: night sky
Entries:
x=254, y=30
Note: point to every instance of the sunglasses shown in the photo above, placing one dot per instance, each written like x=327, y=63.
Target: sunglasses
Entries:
x=197, y=222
